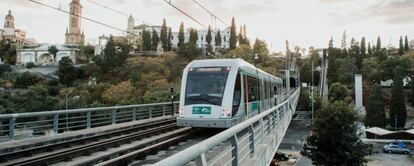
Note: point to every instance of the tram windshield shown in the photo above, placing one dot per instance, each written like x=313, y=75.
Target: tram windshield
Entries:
x=206, y=85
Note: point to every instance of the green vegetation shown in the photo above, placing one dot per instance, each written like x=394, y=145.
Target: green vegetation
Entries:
x=164, y=35
x=233, y=35
x=340, y=133
x=67, y=73
x=375, y=108
x=398, y=111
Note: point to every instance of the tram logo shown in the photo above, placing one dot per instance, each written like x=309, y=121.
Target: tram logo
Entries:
x=201, y=110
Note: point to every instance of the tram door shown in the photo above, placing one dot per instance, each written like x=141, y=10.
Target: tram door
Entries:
x=251, y=95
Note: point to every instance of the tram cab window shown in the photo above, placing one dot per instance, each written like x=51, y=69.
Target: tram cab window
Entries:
x=236, y=95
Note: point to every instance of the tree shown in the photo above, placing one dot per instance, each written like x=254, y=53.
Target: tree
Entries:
x=337, y=92
x=378, y=46
x=27, y=79
x=122, y=93
x=260, y=48
x=114, y=55
x=4, y=68
x=66, y=72
x=344, y=44
x=218, y=39
x=209, y=38
x=398, y=111
x=147, y=41
x=241, y=37
x=53, y=50
x=233, y=35
x=375, y=108
x=369, y=49
x=333, y=54
x=155, y=40
x=169, y=38
x=406, y=46
x=387, y=67
x=335, y=126
x=363, y=47
x=87, y=51
x=401, y=48
x=181, y=36
x=164, y=35
x=355, y=53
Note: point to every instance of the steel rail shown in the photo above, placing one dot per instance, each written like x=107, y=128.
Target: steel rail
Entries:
x=83, y=140
x=58, y=156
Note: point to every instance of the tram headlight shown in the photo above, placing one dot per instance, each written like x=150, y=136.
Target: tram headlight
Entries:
x=226, y=112
x=180, y=112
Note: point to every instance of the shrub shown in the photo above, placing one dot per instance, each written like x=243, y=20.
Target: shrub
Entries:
x=30, y=65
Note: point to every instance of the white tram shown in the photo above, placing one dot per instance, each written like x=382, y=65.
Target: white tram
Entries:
x=220, y=93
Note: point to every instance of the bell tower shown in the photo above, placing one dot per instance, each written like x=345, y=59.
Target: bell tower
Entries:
x=9, y=21
x=75, y=34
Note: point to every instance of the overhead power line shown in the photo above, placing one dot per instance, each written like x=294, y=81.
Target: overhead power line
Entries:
x=183, y=12
x=212, y=14
x=118, y=11
x=85, y=18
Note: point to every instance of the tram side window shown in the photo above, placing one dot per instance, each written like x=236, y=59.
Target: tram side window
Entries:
x=236, y=95
x=252, y=91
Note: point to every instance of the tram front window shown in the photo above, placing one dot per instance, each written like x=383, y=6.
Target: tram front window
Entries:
x=206, y=85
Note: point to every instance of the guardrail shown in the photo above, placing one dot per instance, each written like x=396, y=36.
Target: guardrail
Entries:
x=252, y=142
x=33, y=124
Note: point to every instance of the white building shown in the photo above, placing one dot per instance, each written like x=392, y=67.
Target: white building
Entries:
x=135, y=35
x=102, y=41
x=41, y=56
x=14, y=35
x=201, y=41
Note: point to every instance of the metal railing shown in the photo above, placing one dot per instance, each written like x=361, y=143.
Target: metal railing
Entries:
x=252, y=142
x=34, y=124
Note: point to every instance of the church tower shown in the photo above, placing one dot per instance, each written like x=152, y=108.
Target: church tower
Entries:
x=75, y=35
x=130, y=23
x=9, y=21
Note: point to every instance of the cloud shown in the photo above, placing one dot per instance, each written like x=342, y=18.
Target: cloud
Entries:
x=393, y=12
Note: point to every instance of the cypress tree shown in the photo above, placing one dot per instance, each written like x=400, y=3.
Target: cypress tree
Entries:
x=209, y=38
x=344, y=44
x=233, y=35
x=155, y=40
x=193, y=37
x=363, y=47
x=241, y=38
x=146, y=39
x=406, y=47
x=169, y=38
x=181, y=36
x=398, y=112
x=369, y=49
x=378, y=44
x=355, y=52
x=218, y=39
x=375, y=108
x=401, y=48
x=164, y=35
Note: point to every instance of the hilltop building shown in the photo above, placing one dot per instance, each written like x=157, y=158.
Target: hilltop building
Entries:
x=75, y=35
x=40, y=55
x=134, y=35
x=13, y=35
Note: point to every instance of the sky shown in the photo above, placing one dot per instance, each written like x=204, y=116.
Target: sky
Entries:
x=304, y=23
